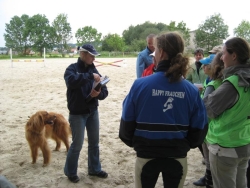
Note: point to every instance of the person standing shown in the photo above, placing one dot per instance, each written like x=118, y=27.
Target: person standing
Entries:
x=228, y=137
x=163, y=116
x=144, y=59
x=195, y=73
x=214, y=72
x=79, y=78
x=197, y=76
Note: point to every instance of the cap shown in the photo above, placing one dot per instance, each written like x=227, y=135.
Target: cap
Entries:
x=215, y=50
x=88, y=48
x=152, y=54
x=208, y=59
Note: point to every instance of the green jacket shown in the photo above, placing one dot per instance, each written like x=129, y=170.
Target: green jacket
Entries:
x=232, y=128
x=194, y=77
x=214, y=83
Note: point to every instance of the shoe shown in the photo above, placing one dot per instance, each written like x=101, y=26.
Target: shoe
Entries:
x=101, y=174
x=203, y=161
x=200, y=182
x=73, y=179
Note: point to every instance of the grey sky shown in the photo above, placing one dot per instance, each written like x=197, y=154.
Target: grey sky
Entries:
x=114, y=16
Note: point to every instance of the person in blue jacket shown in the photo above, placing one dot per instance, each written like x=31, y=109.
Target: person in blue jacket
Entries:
x=163, y=116
x=144, y=59
x=79, y=78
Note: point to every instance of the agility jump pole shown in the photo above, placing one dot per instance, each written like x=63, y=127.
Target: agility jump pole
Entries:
x=27, y=60
x=112, y=63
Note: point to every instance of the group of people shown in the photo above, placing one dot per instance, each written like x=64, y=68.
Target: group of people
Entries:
x=165, y=111
x=164, y=115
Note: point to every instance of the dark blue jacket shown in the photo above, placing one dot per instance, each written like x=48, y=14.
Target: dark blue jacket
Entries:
x=79, y=81
x=162, y=119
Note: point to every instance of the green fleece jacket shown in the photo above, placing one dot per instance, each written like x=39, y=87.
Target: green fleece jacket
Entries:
x=194, y=77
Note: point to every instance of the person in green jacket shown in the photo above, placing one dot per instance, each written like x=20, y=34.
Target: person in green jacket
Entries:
x=214, y=72
x=228, y=107
x=196, y=73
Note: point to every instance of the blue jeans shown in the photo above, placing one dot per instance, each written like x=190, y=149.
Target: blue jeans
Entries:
x=78, y=124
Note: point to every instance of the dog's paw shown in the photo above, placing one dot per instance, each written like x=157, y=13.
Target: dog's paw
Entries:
x=44, y=165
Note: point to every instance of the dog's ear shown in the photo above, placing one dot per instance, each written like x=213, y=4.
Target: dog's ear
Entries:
x=36, y=122
x=38, y=119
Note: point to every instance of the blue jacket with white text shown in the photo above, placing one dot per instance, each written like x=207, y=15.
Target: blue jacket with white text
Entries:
x=162, y=119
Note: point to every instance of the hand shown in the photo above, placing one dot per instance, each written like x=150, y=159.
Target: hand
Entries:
x=96, y=77
x=95, y=93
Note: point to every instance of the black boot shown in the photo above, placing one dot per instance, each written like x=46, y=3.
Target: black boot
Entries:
x=209, y=180
x=200, y=182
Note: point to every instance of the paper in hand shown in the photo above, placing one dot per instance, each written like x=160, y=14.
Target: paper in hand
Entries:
x=97, y=85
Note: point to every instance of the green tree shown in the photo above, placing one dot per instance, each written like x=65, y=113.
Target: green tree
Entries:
x=88, y=34
x=182, y=29
x=16, y=34
x=113, y=42
x=146, y=32
x=243, y=30
x=41, y=34
x=135, y=36
x=162, y=27
x=138, y=45
x=63, y=31
x=140, y=32
x=211, y=33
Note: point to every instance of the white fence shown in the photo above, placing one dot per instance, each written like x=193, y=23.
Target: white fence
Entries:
x=27, y=60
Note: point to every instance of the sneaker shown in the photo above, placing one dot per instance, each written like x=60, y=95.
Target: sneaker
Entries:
x=101, y=174
x=200, y=182
x=73, y=179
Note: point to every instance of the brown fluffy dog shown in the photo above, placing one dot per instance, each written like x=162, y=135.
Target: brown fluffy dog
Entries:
x=59, y=131
x=43, y=125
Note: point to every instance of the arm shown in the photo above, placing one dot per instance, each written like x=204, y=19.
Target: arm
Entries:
x=103, y=92
x=209, y=89
x=198, y=124
x=128, y=121
x=221, y=99
x=74, y=80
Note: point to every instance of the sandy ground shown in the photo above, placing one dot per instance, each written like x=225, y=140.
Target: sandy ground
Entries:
x=26, y=87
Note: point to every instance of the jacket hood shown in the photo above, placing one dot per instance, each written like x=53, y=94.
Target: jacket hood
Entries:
x=243, y=71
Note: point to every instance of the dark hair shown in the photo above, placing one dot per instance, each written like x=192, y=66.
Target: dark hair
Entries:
x=199, y=50
x=217, y=66
x=240, y=47
x=173, y=44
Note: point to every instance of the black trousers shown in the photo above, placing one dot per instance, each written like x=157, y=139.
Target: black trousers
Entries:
x=171, y=170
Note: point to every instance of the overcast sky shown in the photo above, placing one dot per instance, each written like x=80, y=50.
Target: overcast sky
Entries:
x=114, y=16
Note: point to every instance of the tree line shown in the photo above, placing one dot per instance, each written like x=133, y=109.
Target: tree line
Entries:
x=36, y=33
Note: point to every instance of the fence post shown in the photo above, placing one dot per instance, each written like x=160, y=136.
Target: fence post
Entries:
x=11, y=58
x=43, y=57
